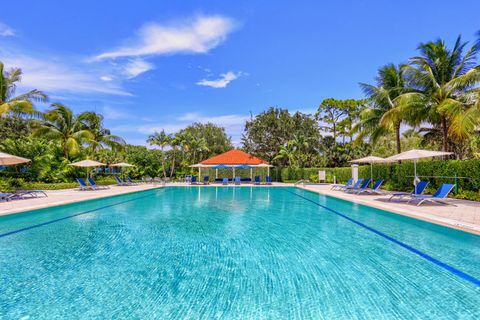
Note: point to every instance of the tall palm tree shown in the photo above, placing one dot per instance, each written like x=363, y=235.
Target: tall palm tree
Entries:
x=287, y=153
x=21, y=104
x=446, y=80
x=101, y=137
x=383, y=116
x=59, y=123
x=197, y=146
x=162, y=140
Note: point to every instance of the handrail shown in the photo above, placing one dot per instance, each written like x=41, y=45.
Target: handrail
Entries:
x=301, y=181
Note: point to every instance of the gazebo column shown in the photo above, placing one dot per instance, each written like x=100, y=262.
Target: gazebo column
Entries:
x=216, y=173
x=233, y=173
x=251, y=174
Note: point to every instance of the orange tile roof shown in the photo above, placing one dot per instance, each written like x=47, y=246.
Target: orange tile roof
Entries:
x=234, y=157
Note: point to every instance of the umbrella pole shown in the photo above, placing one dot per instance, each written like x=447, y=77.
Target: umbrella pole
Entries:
x=415, y=173
x=371, y=174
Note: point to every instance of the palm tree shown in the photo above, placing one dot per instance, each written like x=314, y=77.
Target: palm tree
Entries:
x=446, y=80
x=162, y=140
x=288, y=153
x=101, y=137
x=175, y=142
x=383, y=116
x=59, y=123
x=21, y=104
x=197, y=146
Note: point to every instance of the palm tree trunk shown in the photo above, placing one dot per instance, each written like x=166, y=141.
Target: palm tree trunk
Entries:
x=173, y=165
x=445, y=134
x=397, y=138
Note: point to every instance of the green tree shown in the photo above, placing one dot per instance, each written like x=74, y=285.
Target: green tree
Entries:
x=59, y=123
x=215, y=138
x=101, y=137
x=162, y=140
x=21, y=104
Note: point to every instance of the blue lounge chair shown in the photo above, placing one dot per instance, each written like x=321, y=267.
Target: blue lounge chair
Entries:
x=418, y=190
x=237, y=180
x=6, y=196
x=206, y=180
x=341, y=186
x=268, y=180
x=257, y=180
x=372, y=190
x=225, y=181
x=130, y=181
x=440, y=194
x=83, y=185
x=363, y=186
x=96, y=186
x=356, y=185
x=193, y=180
x=120, y=182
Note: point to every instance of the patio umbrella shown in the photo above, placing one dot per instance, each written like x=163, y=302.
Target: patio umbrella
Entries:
x=87, y=164
x=370, y=160
x=8, y=159
x=414, y=155
x=122, y=165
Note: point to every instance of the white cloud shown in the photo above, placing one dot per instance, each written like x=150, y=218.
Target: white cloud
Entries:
x=222, y=82
x=197, y=35
x=112, y=113
x=49, y=74
x=6, y=31
x=106, y=78
x=137, y=67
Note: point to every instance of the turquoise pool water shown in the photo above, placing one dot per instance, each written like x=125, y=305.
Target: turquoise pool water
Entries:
x=233, y=253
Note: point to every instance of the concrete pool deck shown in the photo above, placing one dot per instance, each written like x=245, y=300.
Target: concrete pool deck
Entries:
x=461, y=214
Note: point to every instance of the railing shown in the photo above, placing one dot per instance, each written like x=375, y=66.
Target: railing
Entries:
x=454, y=177
x=303, y=181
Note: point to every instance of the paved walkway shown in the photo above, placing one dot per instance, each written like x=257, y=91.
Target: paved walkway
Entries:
x=59, y=197
x=460, y=214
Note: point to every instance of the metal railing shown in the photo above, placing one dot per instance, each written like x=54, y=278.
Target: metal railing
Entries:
x=303, y=181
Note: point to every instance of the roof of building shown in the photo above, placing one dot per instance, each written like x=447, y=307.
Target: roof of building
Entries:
x=234, y=157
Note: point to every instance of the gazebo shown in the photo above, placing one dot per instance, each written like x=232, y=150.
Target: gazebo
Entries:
x=234, y=159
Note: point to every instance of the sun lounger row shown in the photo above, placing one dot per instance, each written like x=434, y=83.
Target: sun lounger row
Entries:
x=361, y=186
x=236, y=180
x=22, y=194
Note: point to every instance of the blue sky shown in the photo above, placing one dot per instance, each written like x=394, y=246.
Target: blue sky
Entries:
x=148, y=65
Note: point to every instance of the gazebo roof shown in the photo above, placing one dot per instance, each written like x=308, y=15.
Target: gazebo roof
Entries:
x=234, y=157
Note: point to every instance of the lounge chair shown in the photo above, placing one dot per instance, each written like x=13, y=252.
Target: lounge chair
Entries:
x=268, y=180
x=372, y=190
x=237, y=180
x=363, y=186
x=418, y=190
x=130, y=181
x=206, y=180
x=354, y=186
x=225, y=181
x=120, y=182
x=83, y=185
x=193, y=180
x=31, y=193
x=96, y=186
x=6, y=196
x=257, y=180
x=440, y=194
x=341, y=186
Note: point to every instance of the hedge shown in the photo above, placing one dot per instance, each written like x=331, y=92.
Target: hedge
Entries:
x=398, y=176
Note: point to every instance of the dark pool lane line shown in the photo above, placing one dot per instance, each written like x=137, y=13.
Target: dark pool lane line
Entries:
x=425, y=256
x=73, y=215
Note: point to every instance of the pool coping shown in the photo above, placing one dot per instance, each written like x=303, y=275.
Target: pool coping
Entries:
x=445, y=222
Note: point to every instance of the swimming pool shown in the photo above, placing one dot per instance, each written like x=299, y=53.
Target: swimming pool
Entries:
x=233, y=253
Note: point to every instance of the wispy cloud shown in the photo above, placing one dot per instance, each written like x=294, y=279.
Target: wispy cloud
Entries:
x=51, y=74
x=113, y=113
x=137, y=67
x=197, y=35
x=6, y=31
x=222, y=82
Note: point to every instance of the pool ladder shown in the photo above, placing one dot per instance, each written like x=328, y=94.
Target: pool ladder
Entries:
x=302, y=182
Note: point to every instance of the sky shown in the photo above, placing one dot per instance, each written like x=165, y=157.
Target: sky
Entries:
x=153, y=65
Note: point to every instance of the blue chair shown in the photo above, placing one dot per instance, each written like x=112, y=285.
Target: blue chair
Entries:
x=356, y=185
x=268, y=180
x=373, y=189
x=440, y=194
x=237, y=180
x=83, y=185
x=193, y=180
x=218, y=180
x=6, y=196
x=206, y=180
x=363, y=186
x=130, y=181
x=120, y=182
x=225, y=181
x=96, y=186
x=257, y=180
x=418, y=190
x=342, y=186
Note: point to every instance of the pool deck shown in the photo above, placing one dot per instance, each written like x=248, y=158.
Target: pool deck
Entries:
x=459, y=214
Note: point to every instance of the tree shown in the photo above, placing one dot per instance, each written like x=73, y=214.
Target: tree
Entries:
x=101, y=137
x=216, y=140
x=160, y=139
x=21, y=104
x=383, y=117
x=331, y=112
x=447, y=95
x=59, y=123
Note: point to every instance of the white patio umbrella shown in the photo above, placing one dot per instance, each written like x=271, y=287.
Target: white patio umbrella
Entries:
x=370, y=160
x=9, y=160
x=122, y=165
x=414, y=155
x=87, y=164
